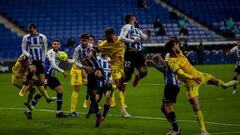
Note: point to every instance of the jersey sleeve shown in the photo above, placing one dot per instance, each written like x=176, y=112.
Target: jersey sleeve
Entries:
x=143, y=36
x=175, y=68
x=75, y=58
x=183, y=75
x=233, y=50
x=173, y=65
x=52, y=56
x=24, y=47
x=123, y=34
x=45, y=45
x=167, y=56
x=103, y=47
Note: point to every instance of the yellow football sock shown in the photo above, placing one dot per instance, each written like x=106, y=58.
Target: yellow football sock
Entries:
x=112, y=98
x=200, y=119
x=74, y=99
x=220, y=83
x=43, y=92
x=121, y=99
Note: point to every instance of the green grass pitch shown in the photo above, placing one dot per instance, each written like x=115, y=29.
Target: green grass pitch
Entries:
x=221, y=110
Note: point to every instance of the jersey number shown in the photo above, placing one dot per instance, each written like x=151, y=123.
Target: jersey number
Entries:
x=127, y=63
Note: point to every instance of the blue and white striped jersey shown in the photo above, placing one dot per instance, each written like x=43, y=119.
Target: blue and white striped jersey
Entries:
x=104, y=62
x=170, y=77
x=80, y=56
x=129, y=33
x=51, y=63
x=236, y=50
x=35, y=46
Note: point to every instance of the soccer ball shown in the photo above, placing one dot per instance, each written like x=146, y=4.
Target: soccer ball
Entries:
x=62, y=56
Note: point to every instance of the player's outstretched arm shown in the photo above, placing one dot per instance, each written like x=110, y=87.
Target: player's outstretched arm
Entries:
x=24, y=47
x=45, y=45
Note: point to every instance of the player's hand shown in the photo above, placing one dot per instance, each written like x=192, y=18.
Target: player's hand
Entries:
x=88, y=69
x=65, y=74
x=197, y=79
x=149, y=34
x=137, y=41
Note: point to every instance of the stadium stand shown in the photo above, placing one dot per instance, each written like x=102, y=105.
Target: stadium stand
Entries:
x=213, y=13
x=10, y=43
x=63, y=19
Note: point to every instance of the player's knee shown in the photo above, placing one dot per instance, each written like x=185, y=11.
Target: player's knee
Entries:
x=196, y=107
x=163, y=109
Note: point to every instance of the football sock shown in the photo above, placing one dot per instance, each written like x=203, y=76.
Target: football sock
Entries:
x=95, y=105
x=106, y=109
x=172, y=119
x=112, y=98
x=220, y=83
x=121, y=99
x=59, y=101
x=74, y=99
x=200, y=119
x=30, y=95
x=87, y=97
x=235, y=86
x=100, y=97
x=36, y=99
x=43, y=92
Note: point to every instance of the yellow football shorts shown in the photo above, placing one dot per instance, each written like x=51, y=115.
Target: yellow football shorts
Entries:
x=117, y=73
x=192, y=89
x=18, y=81
x=76, y=76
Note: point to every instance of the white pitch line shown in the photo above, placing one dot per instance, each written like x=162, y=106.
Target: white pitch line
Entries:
x=136, y=117
x=222, y=133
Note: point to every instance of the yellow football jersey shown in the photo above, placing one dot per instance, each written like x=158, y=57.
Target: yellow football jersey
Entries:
x=182, y=62
x=115, y=51
x=20, y=67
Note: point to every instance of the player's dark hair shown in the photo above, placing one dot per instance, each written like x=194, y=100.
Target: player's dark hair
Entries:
x=56, y=40
x=32, y=25
x=128, y=18
x=109, y=31
x=84, y=36
x=92, y=36
x=176, y=39
x=169, y=45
